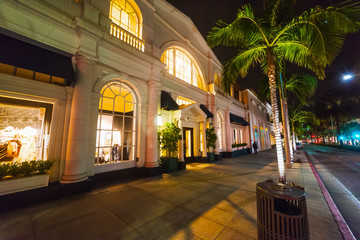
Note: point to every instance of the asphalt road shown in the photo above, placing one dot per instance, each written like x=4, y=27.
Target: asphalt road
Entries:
x=344, y=167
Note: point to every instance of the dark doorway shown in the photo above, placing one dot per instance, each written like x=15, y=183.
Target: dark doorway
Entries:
x=188, y=134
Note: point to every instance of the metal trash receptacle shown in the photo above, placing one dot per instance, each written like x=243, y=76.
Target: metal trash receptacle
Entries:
x=281, y=212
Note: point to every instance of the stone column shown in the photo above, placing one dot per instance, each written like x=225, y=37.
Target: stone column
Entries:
x=76, y=152
x=227, y=133
x=203, y=123
x=215, y=125
x=151, y=135
x=181, y=147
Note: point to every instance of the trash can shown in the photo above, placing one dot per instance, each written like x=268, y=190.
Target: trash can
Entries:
x=281, y=212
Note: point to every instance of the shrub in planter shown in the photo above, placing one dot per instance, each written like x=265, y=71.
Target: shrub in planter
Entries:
x=211, y=138
x=4, y=170
x=25, y=169
x=234, y=145
x=169, y=137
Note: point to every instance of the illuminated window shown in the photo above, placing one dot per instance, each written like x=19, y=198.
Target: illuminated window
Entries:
x=183, y=102
x=24, y=130
x=124, y=13
x=180, y=65
x=116, y=128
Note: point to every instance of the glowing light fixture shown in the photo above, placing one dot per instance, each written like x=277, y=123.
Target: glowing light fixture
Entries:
x=159, y=120
x=347, y=77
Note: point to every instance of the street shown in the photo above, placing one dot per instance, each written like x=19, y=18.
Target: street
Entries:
x=336, y=164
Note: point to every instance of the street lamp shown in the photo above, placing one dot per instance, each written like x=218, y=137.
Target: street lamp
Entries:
x=349, y=76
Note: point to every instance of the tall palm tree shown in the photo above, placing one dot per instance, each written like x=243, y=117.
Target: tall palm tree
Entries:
x=310, y=40
x=302, y=86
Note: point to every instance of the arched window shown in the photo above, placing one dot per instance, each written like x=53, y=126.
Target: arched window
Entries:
x=219, y=130
x=116, y=128
x=126, y=14
x=180, y=64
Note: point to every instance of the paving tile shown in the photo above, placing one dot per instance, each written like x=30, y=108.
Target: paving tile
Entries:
x=167, y=224
x=230, y=234
x=319, y=234
x=205, y=228
x=244, y=224
x=19, y=224
x=177, y=195
x=219, y=215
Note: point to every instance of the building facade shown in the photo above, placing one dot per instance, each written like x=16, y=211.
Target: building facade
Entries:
x=88, y=84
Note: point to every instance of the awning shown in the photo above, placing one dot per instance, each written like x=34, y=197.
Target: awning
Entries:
x=32, y=57
x=206, y=111
x=238, y=120
x=167, y=102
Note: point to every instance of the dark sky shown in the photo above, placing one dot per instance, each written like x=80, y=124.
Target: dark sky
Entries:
x=205, y=13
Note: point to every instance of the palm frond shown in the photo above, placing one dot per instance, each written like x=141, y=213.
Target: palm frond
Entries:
x=302, y=85
x=245, y=30
x=240, y=65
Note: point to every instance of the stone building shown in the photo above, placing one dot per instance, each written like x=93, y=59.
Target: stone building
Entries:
x=89, y=83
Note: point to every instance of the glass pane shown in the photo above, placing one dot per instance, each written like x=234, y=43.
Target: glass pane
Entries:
x=108, y=93
x=106, y=122
x=118, y=122
x=105, y=138
x=108, y=104
x=124, y=19
x=104, y=155
x=115, y=88
x=124, y=90
x=116, y=153
x=119, y=105
x=129, y=98
x=128, y=138
x=129, y=124
x=129, y=109
x=116, y=138
x=128, y=153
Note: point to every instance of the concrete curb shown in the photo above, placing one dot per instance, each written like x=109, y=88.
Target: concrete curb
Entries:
x=342, y=225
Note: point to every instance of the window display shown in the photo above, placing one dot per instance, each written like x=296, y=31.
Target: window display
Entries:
x=22, y=132
x=115, y=140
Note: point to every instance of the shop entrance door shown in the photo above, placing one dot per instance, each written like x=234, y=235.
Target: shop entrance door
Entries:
x=188, y=147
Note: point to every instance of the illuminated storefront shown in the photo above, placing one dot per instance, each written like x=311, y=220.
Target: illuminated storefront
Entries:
x=24, y=130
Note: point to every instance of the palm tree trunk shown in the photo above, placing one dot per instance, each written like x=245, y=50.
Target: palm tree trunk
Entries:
x=285, y=117
x=274, y=106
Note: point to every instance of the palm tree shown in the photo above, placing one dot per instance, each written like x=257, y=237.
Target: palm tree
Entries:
x=301, y=85
x=298, y=117
x=310, y=40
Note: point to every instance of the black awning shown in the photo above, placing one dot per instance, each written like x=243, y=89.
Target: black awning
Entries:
x=22, y=54
x=238, y=120
x=167, y=102
x=206, y=111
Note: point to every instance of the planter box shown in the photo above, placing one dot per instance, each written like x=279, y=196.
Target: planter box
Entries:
x=23, y=184
x=170, y=165
x=211, y=157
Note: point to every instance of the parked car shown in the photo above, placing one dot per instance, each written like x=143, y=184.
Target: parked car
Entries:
x=298, y=145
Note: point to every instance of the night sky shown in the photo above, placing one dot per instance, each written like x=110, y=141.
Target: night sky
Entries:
x=205, y=13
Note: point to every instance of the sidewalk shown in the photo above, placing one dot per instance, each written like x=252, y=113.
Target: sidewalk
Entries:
x=207, y=201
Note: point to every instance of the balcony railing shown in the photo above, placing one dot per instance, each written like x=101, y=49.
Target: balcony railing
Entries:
x=127, y=37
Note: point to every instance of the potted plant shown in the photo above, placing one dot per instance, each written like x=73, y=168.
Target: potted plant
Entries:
x=211, y=138
x=21, y=176
x=169, y=137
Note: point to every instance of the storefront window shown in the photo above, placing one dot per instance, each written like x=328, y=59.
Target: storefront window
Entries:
x=116, y=128
x=24, y=130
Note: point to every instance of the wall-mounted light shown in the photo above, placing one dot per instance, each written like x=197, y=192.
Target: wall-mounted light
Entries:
x=159, y=120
